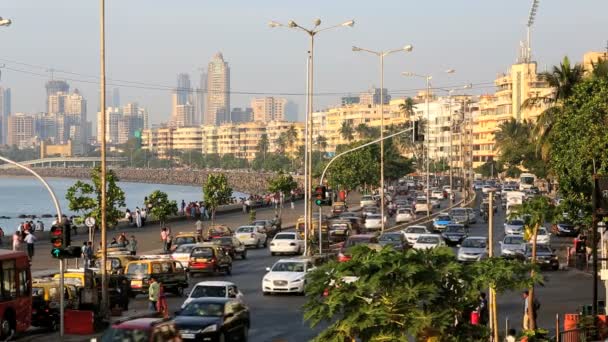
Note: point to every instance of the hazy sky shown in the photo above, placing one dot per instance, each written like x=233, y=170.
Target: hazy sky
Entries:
x=151, y=41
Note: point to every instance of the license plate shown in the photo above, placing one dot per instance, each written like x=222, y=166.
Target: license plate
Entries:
x=189, y=336
x=136, y=283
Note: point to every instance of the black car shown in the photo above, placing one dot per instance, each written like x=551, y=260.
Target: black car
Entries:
x=454, y=233
x=564, y=229
x=232, y=245
x=396, y=239
x=545, y=256
x=213, y=319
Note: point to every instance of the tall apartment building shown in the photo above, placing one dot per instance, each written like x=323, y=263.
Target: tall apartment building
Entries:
x=5, y=111
x=268, y=109
x=55, y=86
x=217, y=108
x=182, y=115
x=115, y=97
x=21, y=130
x=238, y=114
x=372, y=97
x=70, y=111
x=183, y=89
x=122, y=123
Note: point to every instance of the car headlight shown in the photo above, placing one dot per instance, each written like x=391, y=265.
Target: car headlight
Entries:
x=298, y=280
x=266, y=280
x=211, y=328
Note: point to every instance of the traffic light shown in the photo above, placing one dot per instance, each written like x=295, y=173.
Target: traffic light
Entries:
x=60, y=243
x=416, y=136
x=57, y=242
x=321, y=196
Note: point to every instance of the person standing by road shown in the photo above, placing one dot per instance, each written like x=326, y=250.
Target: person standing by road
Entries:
x=164, y=234
x=16, y=241
x=199, y=228
x=161, y=305
x=144, y=215
x=132, y=246
x=482, y=308
x=153, y=292
x=535, y=307
x=183, y=211
x=86, y=255
x=138, y=217
x=30, y=239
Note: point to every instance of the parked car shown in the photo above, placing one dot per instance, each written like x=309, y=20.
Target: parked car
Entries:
x=545, y=256
x=287, y=276
x=213, y=319
x=511, y=246
x=142, y=329
x=514, y=226
x=394, y=239
x=404, y=215
x=413, y=232
x=454, y=234
x=252, y=236
x=473, y=248
x=286, y=242
x=209, y=258
x=353, y=240
x=214, y=289
x=441, y=221
x=564, y=229
x=232, y=245
x=428, y=241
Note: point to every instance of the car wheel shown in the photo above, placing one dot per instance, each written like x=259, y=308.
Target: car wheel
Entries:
x=7, y=327
x=54, y=325
x=265, y=293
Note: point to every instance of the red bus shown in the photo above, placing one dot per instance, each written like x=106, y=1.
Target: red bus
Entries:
x=15, y=293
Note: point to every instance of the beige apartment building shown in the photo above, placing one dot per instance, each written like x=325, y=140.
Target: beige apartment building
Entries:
x=21, y=130
x=268, y=108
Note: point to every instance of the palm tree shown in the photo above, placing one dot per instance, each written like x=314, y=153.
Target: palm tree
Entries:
x=407, y=107
x=282, y=142
x=600, y=69
x=346, y=131
x=322, y=143
x=263, y=145
x=291, y=135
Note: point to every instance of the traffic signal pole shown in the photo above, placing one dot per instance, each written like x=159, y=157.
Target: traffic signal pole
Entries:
x=60, y=222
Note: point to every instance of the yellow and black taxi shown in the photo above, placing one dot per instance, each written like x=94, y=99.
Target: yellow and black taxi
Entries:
x=218, y=230
x=209, y=258
x=116, y=262
x=183, y=238
x=169, y=272
x=90, y=279
x=45, y=302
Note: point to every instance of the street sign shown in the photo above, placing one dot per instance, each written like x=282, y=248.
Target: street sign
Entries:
x=89, y=222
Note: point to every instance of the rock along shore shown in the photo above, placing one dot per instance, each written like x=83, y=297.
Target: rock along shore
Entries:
x=243, y=181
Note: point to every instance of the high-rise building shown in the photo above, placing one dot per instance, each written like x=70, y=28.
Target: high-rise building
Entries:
x=21, y=130
x=372, y=97
x=238, y=114
x=201, y=96
x=218, y=91
x=5, y=111
x=116, y=97
x=56, y=86
x=349, y=100
x=183, y=89
x=71, y=112
x=122, y=123
x=268, y=109
x=46, y=127
x=113, y=116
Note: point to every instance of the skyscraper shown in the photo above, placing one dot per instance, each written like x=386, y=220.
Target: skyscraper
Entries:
x=269, y=109
x=183, y=89
x=201, y=96
x=218, y=91
x=70, y=110
x=55, y=86
x=20, y=130
x=5, y=111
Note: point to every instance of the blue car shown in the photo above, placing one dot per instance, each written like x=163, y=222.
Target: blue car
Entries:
x=441, y=221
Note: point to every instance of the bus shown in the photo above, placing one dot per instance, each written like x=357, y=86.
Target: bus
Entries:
x=526, y=181
x=15, y=293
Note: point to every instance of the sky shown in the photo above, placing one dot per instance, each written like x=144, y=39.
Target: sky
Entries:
x=148, y=42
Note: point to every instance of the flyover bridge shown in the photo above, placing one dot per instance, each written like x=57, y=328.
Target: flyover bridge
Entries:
x=68, y=162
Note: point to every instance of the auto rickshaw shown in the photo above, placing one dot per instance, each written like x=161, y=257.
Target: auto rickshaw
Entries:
x=115, y=262
x=45, y=302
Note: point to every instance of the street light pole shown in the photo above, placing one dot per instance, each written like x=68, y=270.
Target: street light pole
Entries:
x=382, y=54
x=102, y=54
x=309, y=122
x=5, y=22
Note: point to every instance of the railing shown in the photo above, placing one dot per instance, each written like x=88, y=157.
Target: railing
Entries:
x=578, y=335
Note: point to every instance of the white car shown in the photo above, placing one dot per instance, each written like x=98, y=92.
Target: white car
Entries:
x=404, y=215
x=373, y=221
x=435, y=203
x=437, y=194
x=447, y=189
x=287, y=276
x=473, y=248
x=428, y=241
x=286, y=243
x=413, y=232
x=251, y=236
x=214, y=289
x=182, y=253
x=543, y=237
x=367, y=200
x=422, y=206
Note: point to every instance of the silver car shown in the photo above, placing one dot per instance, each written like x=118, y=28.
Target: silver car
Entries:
x=514, y=227
x=473, y=248
x=512, y=245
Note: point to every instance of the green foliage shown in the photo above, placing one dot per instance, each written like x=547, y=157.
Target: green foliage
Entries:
x=490, y=169
x=85, y=198
x=16, y=154
x=231, y=162
x=216, y=192
x=271, y=162
x=517, y=145
x=398, y=295
x=538, y=211
x=162, y=207
x=282, y=183
x=346, y=130
x=355, y=168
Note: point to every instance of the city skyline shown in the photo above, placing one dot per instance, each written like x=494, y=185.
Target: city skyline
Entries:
x=492, y=34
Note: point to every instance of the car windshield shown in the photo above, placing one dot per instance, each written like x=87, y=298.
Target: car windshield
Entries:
x=208, y=291
x=415, y=230
x=202, y=252
x=260, y=223
x=420, y=200
x=404, y=211
x=474, y=243
x=458, y=212
x=285, y=237
x=180, y=240
x=203, y=309
x=366, y=198
x=245, y=230
x=373, y=217
x=137, y=268
x=442, y=218
x=184, y=249
x=515, y=222
x=121, y=335
x=428, y=239
x=513, y=240
x=543, y=249
x=390, y=237
x=454, y=229
x=223, y=240
x=288, y=267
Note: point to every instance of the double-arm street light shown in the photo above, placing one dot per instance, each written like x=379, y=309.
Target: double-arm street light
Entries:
x=381, y=55
x=312, y=32
x=5, y=22
x=428, y=79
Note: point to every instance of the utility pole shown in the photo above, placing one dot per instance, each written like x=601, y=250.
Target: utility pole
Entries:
x=105, y=300
x=493, y=304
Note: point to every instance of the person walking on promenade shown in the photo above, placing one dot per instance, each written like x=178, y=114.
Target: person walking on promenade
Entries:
x=30, y=239
x=16, y=241
x=86, y=260
x=164, y=234
x=132, y=246
x=153, y=292
x=39, y=226
x=128, y=216
x=144, y=215
x=137, y=218
x=1, y=235
x=535, y=307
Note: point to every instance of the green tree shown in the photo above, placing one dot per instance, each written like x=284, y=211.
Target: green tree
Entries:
x=282, y=183
x=366, y=132
x=216, y=192
x=491, y=168
x=322, y=145
x=388, y=295
x=263, y=145
x=356, y=168
x=537, y=211
x=281, y=142
x=346, y=130
x=407, y=107
x=85, y=198
x=161, y=206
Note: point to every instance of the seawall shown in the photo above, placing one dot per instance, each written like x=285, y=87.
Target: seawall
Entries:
x=243, y=181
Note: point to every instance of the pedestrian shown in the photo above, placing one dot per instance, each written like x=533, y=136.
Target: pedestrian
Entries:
x=535, y=307
x=1, y=235
x=122, y=240
x=30, y=239
x=128, y=216
x=132, y=246
x=511, y=335
x=90, y=251
x=169, y=239
x=113, y=243
x=144, y=215
x=137, y=217
x=39, y=226
x=153, y=292
x=124, y=288
x=161, y=305
x=163, y=237
x=183, y=211
x=85, y=255
x=482, y=308
x=16, y=241
x=292, y=201
x=199, y=228
x=193, y=211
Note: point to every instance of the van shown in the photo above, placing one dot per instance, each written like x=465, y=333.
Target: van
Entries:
x=170, y=273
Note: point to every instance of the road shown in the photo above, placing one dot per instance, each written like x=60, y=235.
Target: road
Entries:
x=280, y=317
